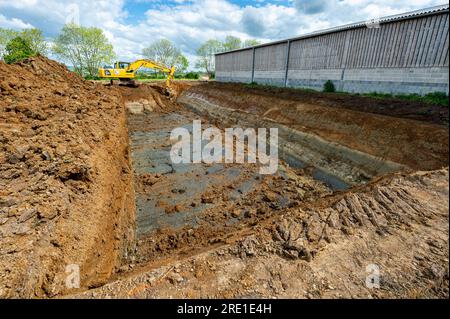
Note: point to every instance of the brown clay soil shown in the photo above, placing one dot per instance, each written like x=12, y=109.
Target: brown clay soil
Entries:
x=394, y=107
x=82, y=171
x=416, y=144
x=65, y=179
x=320, y=250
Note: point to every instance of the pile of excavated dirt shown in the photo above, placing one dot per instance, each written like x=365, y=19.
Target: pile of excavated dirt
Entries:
x=151, y=97
x=65, y=183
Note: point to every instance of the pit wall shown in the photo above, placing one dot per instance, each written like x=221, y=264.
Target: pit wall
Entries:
x=347, y=165
x=401, y=56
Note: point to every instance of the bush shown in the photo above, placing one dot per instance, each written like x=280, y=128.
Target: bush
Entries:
x=152, y=75
x=192, y=76
x=18, y=49
x=91, y=77
x=436, y=98
x=439, y=98
x=329, y=86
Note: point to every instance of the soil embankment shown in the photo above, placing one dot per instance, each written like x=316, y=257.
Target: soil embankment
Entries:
x=65, y=180
x=417, y=144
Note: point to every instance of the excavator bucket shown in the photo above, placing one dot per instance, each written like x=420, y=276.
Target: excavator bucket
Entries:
x=169, y=92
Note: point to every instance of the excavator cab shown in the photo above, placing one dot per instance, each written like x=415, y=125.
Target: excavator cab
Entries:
x=121, y=65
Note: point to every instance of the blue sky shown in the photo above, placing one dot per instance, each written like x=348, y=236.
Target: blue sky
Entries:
x=131, y=25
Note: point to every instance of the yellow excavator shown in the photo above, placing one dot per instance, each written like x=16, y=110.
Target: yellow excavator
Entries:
x=125, y=72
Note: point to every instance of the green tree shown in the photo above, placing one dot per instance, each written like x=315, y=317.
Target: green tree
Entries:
x=6, y=35
x=17, y=49
x=85, y=48
x=205, y=55
x=250, y=43
x=34, y=37
x=162, y=51
x=181, y=64
x=232, y=43
x=36, y=40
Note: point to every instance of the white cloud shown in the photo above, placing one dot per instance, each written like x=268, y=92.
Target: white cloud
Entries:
x=345, y=11
x=188, y=23
x=271, y=21
x=50, y=15
x=311, y=7
x=13, y=23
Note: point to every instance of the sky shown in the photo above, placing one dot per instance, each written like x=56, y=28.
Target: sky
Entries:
x=131, y=25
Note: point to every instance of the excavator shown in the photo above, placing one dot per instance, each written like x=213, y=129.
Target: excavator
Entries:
x=125, y=72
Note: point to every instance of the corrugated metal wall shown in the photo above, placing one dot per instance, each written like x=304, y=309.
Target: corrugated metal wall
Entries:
x=324, y=52
x=409, y=56
x=271, y=58
x=411, y=43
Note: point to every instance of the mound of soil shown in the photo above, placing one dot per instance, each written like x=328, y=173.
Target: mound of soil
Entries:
x=153, y=97
x=63, y=143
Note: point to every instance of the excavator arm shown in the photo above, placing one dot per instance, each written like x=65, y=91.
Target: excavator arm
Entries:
x=134, y=67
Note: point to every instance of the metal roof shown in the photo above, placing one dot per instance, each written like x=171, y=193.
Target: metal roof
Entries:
x=392, y=18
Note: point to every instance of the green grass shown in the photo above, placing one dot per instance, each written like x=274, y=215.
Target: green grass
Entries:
x=435, y=98
x=146, y=80
x=255, y=85
x=160, y=80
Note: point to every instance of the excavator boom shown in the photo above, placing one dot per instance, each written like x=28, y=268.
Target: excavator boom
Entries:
x=136, y=65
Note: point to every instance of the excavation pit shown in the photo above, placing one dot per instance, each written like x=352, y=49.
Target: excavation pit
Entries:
x=87, y=181
x=182, y=209
x=345, y=178
x=174, y=196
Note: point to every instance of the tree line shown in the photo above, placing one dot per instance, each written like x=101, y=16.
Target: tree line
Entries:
x=87, y=49
x=206, y=52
